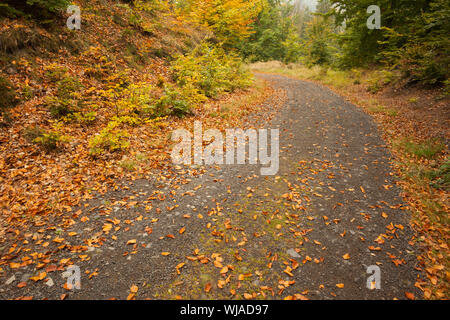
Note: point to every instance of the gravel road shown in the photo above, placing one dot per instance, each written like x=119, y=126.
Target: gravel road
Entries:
x=226, y=232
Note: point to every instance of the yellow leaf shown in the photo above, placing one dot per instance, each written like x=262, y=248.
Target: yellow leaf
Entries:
x=40, y=276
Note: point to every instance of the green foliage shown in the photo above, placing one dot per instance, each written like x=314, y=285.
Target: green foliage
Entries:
x=26, y=92
x=109, y=139
x=318, y=42
x=440, y=177
x=209, y=71
x=379, y=79
x=67, y=98
x=50, y=5
x=55, y=72
x=413, y=38
x=426, y=149
x=40, y=9
x=9, y=12
x=292, y=48
x=421, y=46
x=142, y=101
x=173, y=101
x=276, y=33
x=83, y=118
x=48, y=140
x=68, y=87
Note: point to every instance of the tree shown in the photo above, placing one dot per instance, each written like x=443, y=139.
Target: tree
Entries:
x=229, y=20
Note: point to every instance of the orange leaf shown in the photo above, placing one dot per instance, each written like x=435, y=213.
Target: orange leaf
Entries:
x=134, y=289
x=410, y=295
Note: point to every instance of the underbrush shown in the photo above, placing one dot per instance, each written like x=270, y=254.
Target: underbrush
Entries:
x=211, y=71
x=325, y=75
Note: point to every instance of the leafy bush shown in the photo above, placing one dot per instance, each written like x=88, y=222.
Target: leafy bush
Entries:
x=142, y=100
x=55, y=72
x=109, y=139
x=48, y=140
x=172, y=102
x=378, y=80
x=83, y=118
x=210, y=70
x=66, y=100
x=68, y=87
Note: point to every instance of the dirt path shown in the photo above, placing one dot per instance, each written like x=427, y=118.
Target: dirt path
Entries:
x=309, y=231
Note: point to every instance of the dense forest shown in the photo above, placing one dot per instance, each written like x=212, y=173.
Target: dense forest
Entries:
x=413, y=37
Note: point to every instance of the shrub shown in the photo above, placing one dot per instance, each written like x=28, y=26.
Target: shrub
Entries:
x=172, y=102
x=83, y=118
x=109, y=139
x=27, y=92
x=48, y=140
x=59, y=107
x=55, y=72
x=66, y=100
x=210, y=70
x=379, y=80
x=140, y=101
x=68, y=87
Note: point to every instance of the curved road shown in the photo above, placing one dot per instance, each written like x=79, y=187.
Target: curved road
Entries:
x=311, y=231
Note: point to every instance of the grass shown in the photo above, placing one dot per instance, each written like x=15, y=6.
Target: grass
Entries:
x=440, y=177
x=128, y=164
x=382, y=109
x=326, y=76
x=427, y=149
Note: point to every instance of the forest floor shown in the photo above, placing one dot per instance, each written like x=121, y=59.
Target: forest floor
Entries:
x=199, y=232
